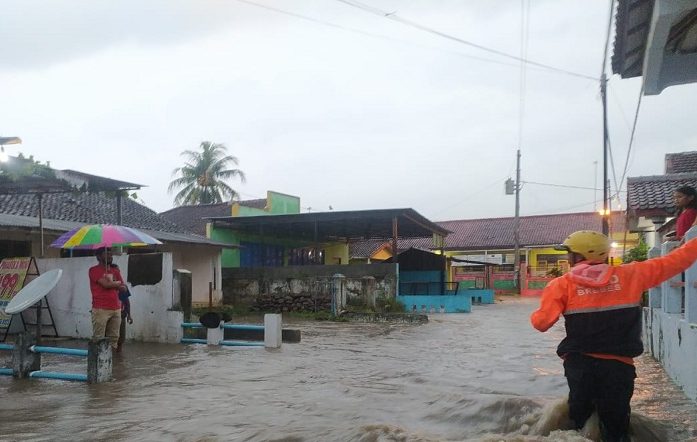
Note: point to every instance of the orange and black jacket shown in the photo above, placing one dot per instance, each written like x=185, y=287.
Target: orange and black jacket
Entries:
x=601, y=304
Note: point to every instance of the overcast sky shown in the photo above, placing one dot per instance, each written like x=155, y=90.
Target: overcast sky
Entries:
x=348, y=109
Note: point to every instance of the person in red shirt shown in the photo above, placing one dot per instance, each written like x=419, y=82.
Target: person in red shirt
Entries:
x=105, y=284
x=602, y=312
x=686, y=202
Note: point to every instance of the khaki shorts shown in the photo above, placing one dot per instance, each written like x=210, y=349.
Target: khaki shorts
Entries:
x=106, y=323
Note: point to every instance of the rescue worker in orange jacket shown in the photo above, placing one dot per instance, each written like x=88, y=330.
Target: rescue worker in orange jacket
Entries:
x=601, y=305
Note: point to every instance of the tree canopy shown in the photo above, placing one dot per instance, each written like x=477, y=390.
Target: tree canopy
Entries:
x=202, y=179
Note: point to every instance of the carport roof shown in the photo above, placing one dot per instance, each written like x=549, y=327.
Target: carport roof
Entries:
x=335, y=226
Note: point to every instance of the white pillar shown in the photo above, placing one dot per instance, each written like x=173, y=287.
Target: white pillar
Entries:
x=215, y=335
x=655, y=292
x=690, y=290
x=671, y=297
x=273, y=332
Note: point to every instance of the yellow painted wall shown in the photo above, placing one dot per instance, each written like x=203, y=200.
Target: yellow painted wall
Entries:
x=546, y=251
x=335, y=252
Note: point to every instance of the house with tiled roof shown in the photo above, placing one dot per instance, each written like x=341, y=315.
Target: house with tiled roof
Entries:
x=650, y=198
x=36, y=211
x=197, y=219
x=491, y=241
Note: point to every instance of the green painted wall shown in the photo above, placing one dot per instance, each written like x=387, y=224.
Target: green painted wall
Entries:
x=276, y=204
x=282, y=204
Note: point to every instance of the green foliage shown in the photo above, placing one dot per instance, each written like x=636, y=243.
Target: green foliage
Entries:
x=554, y=272
x=22, y=167
x=389, y=305
x=202, y=178
x=224, y=310
x=638, y=253
x=317, y=316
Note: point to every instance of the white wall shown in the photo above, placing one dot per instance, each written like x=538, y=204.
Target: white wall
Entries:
x=205, y=266
x=71, y=301
x=670, y=339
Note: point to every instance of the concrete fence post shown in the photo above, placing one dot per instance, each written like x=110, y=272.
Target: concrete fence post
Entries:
x=655, y=292
x=690, y=290
x=671, y=297
x=99, y=361
x=24, y=361
x=273, y=331
x=338, y=298
x=215, y=335
x=368, y=289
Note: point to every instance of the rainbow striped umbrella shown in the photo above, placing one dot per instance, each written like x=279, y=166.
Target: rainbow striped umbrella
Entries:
x=94, y=236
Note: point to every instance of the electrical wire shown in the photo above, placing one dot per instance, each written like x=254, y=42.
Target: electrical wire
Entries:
x=524, y=35
x=631, y=137
x=563, y=186
x=369, y=34
x=393, y=16
x=561, y=209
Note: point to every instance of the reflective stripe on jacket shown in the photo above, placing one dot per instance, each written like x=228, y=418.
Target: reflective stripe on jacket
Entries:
x=601, y=304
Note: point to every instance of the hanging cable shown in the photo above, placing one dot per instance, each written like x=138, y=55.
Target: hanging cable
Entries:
x=370, y=34
x=631, y=137
x=524, y=35
x=393, y=16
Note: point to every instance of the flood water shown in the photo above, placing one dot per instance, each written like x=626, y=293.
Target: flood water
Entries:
x=483, y=376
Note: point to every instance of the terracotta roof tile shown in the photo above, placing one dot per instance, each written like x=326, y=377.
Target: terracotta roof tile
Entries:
x=498, y=233
x=191, y=217
x=656, y=192
x=88, y=208
x=681, y=162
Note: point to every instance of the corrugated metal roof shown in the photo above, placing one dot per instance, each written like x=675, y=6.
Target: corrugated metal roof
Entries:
x=632, y=24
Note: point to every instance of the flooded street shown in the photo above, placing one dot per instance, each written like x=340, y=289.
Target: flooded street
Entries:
x=481, y=376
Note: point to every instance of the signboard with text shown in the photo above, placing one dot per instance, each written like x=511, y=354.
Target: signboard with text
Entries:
x=13, y=272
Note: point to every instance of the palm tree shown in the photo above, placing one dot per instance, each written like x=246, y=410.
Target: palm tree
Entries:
x=202, y=178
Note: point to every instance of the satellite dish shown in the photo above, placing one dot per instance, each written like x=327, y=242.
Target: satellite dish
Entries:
x=33, y=292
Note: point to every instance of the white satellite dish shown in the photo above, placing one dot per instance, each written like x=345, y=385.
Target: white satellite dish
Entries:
x=33, y=292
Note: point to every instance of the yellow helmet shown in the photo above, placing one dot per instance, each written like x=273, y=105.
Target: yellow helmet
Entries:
x=594, y=246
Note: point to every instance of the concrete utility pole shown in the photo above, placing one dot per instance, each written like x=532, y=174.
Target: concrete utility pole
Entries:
x=606, y=209
x=513, y=187
x=516, y=233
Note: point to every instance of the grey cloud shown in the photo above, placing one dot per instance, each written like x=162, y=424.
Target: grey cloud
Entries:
x=36, y=34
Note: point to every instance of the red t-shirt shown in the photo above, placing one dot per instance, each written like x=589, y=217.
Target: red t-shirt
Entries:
x=684, y=222
x=104, y=298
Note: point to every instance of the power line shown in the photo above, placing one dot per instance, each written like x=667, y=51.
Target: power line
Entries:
x=368, y=34
x=563, y=186
x=393, y=16
x=546, y=212
x=631, y=138
x=524, y=35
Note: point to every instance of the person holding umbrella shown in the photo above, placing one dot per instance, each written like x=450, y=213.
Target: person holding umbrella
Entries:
x=105, y=284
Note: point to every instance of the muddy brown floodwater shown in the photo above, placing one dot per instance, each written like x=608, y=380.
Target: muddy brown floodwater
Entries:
x=483, y=376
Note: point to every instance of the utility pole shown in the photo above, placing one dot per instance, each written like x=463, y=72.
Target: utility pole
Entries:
x=595, y=186
x=606, y=209
x=513, y=187
x=516, y=233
